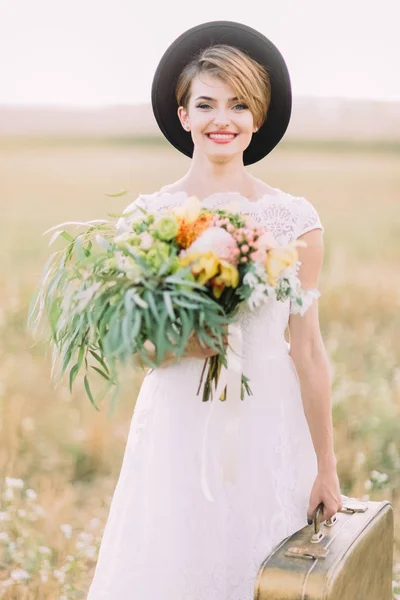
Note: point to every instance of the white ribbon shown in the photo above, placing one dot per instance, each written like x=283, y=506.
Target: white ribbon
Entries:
x=231, y=377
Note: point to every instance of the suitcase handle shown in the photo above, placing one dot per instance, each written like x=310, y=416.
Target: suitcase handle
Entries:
x=350, y=505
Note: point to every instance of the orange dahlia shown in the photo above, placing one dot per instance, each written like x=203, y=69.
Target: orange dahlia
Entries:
x=188, y=232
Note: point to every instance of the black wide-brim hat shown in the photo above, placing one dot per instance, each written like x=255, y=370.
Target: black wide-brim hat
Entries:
x=255, y=45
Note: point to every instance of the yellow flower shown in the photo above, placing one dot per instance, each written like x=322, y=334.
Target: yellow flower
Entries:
x=228, y=277
x=189, y=210
x=204, y=265
x=278, y=259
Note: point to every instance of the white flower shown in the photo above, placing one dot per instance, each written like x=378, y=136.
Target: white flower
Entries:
x=368, y=484
x=94, y=523
x=67, y=530
x=14, y=483
x=250, y=279
x=90, y=552
x=59, y=575
x=44, y=550
x=40, y=511
x=146, y=240
x=4, y=516
x=19, y=575
x=257, y=297
x=8, y=494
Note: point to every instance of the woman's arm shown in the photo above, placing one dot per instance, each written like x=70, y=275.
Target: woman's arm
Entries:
x=309, y=355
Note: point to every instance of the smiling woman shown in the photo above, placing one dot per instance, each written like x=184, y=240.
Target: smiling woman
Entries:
x=207, y=489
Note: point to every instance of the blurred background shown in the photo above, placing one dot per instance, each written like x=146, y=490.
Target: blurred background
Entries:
x=76, y=124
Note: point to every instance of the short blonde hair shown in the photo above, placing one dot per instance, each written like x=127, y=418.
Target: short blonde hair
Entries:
x=248, y=78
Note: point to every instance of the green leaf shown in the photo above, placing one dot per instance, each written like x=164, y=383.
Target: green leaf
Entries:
x=148, y=296
x=118, y=194
x=67, y=236
x=168, y=306
x=102, y=373
x=89, y=393
x=100, y=360
x=136, y=324
x=72, y=375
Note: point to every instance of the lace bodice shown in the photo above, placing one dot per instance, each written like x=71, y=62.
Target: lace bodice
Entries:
x=285, y=215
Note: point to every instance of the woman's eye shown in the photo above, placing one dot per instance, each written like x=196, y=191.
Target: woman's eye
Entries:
x=241, y=106
x=203, y=106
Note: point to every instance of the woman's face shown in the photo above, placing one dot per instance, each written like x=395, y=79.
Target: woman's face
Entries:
x=221, y=126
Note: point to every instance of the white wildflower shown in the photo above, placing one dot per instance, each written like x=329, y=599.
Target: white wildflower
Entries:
x=40, y=511
x=31, y=494
x=59, y=575
x=4, y=516
x=11, y=482
x=67, y=530
x=94, y=523
x=8, y=494
x=84, y=539
x=44, y=550
x=368, y=484
x=90, y=552
x=44, y=577
x=19, y=575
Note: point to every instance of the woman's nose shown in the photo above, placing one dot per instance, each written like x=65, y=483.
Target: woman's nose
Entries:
x=221, y=118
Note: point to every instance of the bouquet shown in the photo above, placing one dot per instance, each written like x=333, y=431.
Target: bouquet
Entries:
x=109, y=294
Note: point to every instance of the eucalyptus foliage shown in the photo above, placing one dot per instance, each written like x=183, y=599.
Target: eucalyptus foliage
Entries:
x=96, y=317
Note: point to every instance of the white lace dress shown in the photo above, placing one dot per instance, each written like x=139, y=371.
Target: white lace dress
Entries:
x=164, y=539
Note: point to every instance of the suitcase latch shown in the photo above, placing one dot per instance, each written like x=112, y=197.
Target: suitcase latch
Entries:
x=307, y=551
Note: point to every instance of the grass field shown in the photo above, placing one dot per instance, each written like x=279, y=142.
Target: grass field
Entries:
x=67, y=455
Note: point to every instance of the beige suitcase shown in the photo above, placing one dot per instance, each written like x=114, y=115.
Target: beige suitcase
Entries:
x=347, y=557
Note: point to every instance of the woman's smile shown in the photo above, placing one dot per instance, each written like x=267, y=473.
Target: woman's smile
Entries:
x=219, y=137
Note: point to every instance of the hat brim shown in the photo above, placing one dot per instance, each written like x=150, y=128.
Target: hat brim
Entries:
x=250, y=41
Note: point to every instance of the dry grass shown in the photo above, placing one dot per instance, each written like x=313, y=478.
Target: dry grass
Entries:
x=70, y=454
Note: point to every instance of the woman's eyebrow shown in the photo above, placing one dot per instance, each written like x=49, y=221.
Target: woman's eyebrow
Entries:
x=213, y=99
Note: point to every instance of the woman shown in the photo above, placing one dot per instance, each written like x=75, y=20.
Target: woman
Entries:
x=179, y=528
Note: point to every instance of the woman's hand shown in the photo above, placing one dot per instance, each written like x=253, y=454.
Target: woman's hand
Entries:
x=193, y=349
x=326, y=489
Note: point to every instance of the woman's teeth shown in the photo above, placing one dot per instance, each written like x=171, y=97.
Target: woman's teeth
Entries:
x=221, y=136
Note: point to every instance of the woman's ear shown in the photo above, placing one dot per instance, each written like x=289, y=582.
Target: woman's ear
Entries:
x=184, y=118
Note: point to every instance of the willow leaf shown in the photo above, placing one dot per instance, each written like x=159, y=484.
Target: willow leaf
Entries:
x=168, y=306
x=102, y=373
x=89, y=392
x=72, y=374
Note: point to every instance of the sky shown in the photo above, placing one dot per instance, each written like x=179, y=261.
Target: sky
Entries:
x=105, y=52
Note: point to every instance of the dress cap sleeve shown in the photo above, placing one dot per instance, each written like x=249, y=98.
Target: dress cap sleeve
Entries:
x=307, y=217
x=132, y=211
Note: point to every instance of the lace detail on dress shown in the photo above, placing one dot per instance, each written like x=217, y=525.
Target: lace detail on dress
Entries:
x=286, y=216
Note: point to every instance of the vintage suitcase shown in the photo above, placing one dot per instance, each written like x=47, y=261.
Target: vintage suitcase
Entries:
x=347, y=557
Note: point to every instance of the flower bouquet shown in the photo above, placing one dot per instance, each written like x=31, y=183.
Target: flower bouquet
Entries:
x=110, y=294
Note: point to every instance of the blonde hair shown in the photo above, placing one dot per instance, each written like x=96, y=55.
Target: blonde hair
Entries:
x=248, y=78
